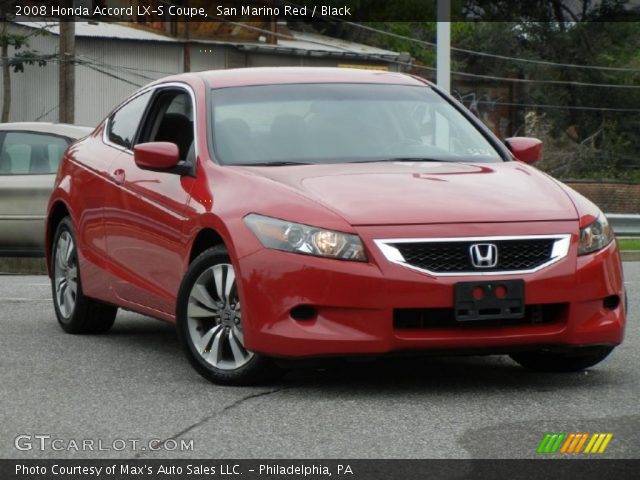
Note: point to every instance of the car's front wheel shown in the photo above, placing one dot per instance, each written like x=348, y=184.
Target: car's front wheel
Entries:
x=76, y=312
x=573, y=361
x=210, y=327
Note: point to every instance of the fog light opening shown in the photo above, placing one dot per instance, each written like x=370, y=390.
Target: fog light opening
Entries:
x=611, y=302
x=304, y=312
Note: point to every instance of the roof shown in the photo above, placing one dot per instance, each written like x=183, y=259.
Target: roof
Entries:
x=282, y=75
x=102, y=30
x=63, y=129
x=313, y=42
x=298, y=43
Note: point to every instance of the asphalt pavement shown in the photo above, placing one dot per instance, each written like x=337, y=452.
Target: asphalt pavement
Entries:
x=131, y=393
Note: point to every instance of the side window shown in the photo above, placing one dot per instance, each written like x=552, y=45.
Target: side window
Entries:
x=171, y=120
x=123, y=124
x=27, y=153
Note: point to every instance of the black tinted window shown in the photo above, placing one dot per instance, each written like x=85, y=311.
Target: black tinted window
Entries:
x=170, y=120
x=124, y=123
x=27, y=153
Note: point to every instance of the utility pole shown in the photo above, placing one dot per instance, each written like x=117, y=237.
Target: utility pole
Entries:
x=67, y=76
x=443, y=46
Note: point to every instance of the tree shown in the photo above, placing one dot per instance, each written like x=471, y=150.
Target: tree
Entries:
x=589, y=121
x=22, y=56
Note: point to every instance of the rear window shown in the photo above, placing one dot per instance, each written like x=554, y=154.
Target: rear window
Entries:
x=29, y=153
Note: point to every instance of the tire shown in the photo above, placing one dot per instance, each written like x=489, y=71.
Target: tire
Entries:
x=209, y=322
x=574, y=361
x=76, y=313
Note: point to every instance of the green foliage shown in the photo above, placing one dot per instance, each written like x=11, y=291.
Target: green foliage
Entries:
x=613, y=136
x=23, y=55
x=583, y=121
x=629, y=244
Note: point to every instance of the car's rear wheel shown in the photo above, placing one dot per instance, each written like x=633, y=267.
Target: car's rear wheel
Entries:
x=573, y=361
x=210, y=326
x=76, y=313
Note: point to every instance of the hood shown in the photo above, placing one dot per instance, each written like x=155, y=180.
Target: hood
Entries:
x=401, y=193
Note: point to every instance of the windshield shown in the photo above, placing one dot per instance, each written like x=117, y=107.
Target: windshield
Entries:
x=337, y=123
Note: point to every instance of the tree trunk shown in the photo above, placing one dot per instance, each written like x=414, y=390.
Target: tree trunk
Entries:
x=6, y=81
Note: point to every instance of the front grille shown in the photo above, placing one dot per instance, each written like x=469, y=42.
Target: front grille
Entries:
x=428, y=318
x=455, y=256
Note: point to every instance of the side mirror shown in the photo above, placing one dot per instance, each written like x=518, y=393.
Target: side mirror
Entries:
x=525, y=149
x=156, y=155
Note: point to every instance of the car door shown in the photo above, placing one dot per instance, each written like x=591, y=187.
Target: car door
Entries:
x=147, y=209
x=28, y=164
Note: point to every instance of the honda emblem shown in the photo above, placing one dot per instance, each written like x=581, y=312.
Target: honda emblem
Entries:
x=484, y=255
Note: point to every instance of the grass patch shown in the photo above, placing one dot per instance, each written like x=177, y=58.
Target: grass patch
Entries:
x=629, y=243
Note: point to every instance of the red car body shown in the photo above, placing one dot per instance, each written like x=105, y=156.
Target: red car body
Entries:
x=138, y=230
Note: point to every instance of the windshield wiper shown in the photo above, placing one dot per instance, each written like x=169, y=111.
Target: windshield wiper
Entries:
x=402, y=159
x=270, y=164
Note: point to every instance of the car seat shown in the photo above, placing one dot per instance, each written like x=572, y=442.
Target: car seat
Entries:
x=176, y=128
x=39, y=159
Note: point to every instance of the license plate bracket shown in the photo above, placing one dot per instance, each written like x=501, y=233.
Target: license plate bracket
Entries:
x=492, y=300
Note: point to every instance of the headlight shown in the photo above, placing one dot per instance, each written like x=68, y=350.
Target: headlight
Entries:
x=299, y=238
x=595, y=236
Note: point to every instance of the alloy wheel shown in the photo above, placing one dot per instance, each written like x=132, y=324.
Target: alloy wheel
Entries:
x=66, y=274
x=214, y=319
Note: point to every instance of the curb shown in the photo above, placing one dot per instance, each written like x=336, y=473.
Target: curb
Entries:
x=23, y=266
x=631, y=256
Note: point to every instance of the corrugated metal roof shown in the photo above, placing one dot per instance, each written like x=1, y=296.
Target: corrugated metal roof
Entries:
x=316, y=42
x=103, y=30
x=301, y=42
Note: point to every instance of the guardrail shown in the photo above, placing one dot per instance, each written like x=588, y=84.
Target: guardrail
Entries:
x=625, y=225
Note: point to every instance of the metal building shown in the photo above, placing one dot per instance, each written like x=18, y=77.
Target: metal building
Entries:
x=113, y=60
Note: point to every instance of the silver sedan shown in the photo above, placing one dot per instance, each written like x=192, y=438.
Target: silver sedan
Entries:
x=29, y=158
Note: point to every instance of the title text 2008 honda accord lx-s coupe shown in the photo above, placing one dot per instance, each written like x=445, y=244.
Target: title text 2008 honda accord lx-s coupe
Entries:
x=285, y=213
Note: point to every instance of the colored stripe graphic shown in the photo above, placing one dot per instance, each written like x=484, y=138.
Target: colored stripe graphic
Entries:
x=573, y=443
x=566, y=445
x=581, y=442
x=598, y=443
x=543, y=444
x=550, y=442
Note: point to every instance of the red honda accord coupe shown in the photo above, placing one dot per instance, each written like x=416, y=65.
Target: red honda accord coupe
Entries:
x=300, y=212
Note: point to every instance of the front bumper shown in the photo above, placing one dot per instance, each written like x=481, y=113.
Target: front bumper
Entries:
x=380, y=307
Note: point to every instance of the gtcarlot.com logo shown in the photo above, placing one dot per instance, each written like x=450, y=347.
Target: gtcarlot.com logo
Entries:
x=46, y=442
x=574, y=443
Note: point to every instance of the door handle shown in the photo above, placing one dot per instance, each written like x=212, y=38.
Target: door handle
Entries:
x=118, y=176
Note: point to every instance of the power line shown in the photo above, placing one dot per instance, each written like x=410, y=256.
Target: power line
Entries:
x=479, y=53
x=398, y=62
x=562, y=107
x=92, y=67
x=433, y=44
x=491, y=55
x=94, y=64
x=546, y=82
x=421, y=67
x=129, y=70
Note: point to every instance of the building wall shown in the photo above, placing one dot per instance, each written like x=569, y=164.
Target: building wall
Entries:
x=111, y=69
x=117, y=68
x=35, y=91
x=208, y=57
